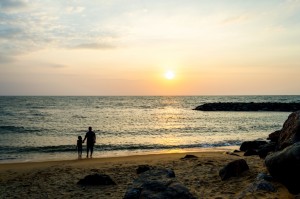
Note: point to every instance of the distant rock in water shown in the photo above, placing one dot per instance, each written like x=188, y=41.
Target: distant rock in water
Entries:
x=239, y=106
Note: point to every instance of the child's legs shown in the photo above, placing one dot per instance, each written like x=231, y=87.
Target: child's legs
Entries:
x=79, y=152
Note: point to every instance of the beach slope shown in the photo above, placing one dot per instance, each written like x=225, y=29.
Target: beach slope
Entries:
x=58, y=179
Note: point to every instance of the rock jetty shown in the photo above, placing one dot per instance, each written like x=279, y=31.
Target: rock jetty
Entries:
x=251, y=106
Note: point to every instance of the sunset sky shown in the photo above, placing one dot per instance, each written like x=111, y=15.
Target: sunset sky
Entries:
x=118, y=47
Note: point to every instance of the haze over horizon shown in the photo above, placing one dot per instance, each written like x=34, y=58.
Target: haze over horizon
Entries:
x=135, y=47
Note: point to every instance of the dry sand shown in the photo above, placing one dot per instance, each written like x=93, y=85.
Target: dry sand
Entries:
x=58, y=179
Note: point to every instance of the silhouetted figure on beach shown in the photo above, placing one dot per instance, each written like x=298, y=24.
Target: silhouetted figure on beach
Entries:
x=79, y=147
x=90, y=136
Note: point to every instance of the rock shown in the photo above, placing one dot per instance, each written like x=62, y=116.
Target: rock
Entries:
x=96, y=179
x=265, y=186
x=250, y=152
x=261, y=148
x=157, y=184
x=142, y=168
x=254, y=145
x=284, y=166
x=233, y=169
x=240, y=106
x=263, y=176
x=273, y=137
x=290, y=132
x=231, y=153
x=261, y=185
x=265, y=149
x=189, y=157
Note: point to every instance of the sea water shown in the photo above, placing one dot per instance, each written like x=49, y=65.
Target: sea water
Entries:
x=46, y=128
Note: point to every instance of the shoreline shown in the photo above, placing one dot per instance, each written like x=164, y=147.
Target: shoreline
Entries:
x=122, y=154
x=58, y=179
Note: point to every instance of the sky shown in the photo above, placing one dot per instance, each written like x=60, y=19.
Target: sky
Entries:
x=118, y=47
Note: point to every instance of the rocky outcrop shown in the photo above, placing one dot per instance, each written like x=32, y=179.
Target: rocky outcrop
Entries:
x=252, y=145
x=158, y=184
x=260, y=148
x=288, y=135
x=265, y=149
x=290, y=132
x=274, y=137
x=237, y=106
x=233, y=169
x=284, y=166
x=96, y=179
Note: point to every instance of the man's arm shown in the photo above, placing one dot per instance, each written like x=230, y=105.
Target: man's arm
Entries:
x=84, y=139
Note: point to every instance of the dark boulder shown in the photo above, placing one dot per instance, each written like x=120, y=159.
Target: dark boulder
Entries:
x=290, y=132
x=96, y=179
x=265, y=149
x=274, y=137
x=142, y=168
x=250, y=152
x=157, y=184
x=233, y=169
x=254, y=145
x=263, y=176
x=189, y=157
x=261, y=185
x=284, y=166
x=231, y=153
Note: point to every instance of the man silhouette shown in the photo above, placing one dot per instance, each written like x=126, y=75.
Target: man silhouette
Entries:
x=90, y=136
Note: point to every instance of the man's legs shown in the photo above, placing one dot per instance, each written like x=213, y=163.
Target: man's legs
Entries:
x=92, y=149
x=87, y=151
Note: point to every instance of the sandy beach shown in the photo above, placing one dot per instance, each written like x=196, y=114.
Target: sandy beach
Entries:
x=58, y=179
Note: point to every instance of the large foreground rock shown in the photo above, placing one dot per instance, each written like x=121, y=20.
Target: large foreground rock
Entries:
x=285, y=167
x=290, y=132
x=157, y=184
x=233, y=169
x=96, y=179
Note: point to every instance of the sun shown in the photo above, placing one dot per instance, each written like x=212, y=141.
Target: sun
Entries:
x=169, y=75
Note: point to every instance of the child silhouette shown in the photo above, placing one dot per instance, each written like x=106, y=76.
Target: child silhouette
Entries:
x=79, y=147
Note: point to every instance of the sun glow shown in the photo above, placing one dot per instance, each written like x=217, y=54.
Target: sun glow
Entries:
x=169, y=75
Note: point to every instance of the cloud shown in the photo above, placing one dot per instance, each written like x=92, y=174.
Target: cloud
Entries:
x=8, y=5
x=5, y=59
x=235, y=19
x=53, y=65
x=94, y=46
x=9, y=32
x=72, y=10
x=41, y=26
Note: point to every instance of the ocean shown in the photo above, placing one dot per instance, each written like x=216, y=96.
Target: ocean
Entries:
x=46, y=128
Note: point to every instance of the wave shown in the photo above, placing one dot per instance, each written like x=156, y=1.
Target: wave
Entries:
x=125, y=147
x=17, y=129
